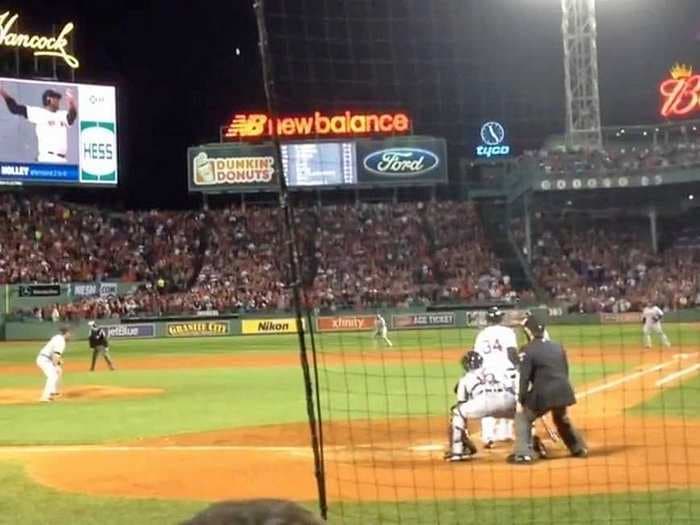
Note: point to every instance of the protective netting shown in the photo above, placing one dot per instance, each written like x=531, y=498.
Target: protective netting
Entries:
x=431, y=266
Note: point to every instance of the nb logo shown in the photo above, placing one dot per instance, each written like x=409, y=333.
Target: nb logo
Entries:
x=252, y=125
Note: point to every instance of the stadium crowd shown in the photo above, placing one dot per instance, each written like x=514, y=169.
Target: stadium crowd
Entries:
x=232, y=259
x=608, y=265
x=351, y=256
x=619, y=158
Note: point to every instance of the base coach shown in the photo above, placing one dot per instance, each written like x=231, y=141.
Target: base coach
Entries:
x=544, y=387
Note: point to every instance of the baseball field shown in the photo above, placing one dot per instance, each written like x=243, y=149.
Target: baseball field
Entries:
x=184, y=422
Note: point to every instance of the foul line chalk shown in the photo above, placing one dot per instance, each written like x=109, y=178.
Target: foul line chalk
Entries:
x=676, y=375
x=624, y=379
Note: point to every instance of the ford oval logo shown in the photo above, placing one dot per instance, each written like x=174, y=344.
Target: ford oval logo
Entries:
x=401, y=162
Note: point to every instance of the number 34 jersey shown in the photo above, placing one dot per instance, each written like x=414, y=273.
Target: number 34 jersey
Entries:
x=493, y=343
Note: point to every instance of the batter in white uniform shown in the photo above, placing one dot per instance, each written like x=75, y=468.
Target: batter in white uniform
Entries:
x=498, y=345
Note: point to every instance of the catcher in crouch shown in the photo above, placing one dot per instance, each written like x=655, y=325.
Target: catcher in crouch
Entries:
x=481, y=393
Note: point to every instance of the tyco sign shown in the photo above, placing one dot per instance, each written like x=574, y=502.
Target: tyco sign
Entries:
x=269, y=326
x=492, y=137
x=42, y=46
x=680, y=94
x=258, y=125
x=197, y=328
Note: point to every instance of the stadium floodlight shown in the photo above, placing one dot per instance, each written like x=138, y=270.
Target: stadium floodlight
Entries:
x=579, y=33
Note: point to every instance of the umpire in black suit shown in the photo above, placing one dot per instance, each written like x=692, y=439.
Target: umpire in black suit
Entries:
x=544, y=387
x=99, y=345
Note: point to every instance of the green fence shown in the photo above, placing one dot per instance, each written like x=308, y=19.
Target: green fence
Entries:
x=260, y=324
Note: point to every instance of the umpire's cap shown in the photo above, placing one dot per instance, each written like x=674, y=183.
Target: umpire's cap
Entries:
x=49, y=93
x=472, y=360
x=533, y=327
x=494, y=315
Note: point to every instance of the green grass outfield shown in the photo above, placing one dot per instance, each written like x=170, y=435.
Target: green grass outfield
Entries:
x=202, y=399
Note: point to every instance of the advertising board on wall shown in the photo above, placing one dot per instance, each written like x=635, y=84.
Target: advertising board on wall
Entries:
x=197, y=328
x=131, y=330
x=422, y=320
x=402, y=160
x=54, y=133
x=94, y=289
x=680, y=92
x=345, y=323
x=39, y=290
x=269, y=326
x=231, y=167
x=256, y=126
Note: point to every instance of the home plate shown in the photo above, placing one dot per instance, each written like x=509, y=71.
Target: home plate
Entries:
x=432, y=447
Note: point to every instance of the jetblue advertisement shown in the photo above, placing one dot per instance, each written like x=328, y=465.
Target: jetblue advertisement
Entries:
x=53, y=133
x=402, y=160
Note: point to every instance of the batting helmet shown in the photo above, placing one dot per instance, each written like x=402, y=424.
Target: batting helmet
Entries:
x=472, y=360
x=49, y=93
x=494, y=315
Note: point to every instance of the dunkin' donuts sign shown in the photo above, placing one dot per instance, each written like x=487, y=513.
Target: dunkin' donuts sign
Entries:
x=217, y=168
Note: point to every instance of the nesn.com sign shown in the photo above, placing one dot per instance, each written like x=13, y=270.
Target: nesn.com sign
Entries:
x=492, y=137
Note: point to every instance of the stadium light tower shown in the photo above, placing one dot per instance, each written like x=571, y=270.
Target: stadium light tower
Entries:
x=579, y=32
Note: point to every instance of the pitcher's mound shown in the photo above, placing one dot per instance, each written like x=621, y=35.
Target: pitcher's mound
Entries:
x=21, y=396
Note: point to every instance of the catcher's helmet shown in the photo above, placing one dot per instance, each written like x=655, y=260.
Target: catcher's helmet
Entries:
x=532, y=327
x=494, y=315
x=49, y=93
x=472, y=360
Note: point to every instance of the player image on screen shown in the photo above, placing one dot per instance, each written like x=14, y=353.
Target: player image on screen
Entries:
x=50, y=121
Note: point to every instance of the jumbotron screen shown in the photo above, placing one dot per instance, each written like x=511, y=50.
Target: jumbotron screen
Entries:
x=319, y=164
x=54, y=133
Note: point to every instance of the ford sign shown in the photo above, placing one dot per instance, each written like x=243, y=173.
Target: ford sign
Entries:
x=401, y=162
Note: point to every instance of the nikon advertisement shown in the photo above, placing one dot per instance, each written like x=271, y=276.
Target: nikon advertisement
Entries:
x=269, y=326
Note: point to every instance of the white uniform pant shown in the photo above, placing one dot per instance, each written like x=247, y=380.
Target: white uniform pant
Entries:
x=496, y=429
x=52, y=376
x=382, y=332
x=654, y=328
x=499, y=404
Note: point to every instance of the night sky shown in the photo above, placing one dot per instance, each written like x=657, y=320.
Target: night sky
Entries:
x=451, y=63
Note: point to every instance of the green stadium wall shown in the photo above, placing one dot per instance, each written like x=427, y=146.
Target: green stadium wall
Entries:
x=249, y=324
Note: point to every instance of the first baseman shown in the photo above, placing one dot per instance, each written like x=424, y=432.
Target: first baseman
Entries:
x=51, y=123
x=50, y=361
x=651, y=321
